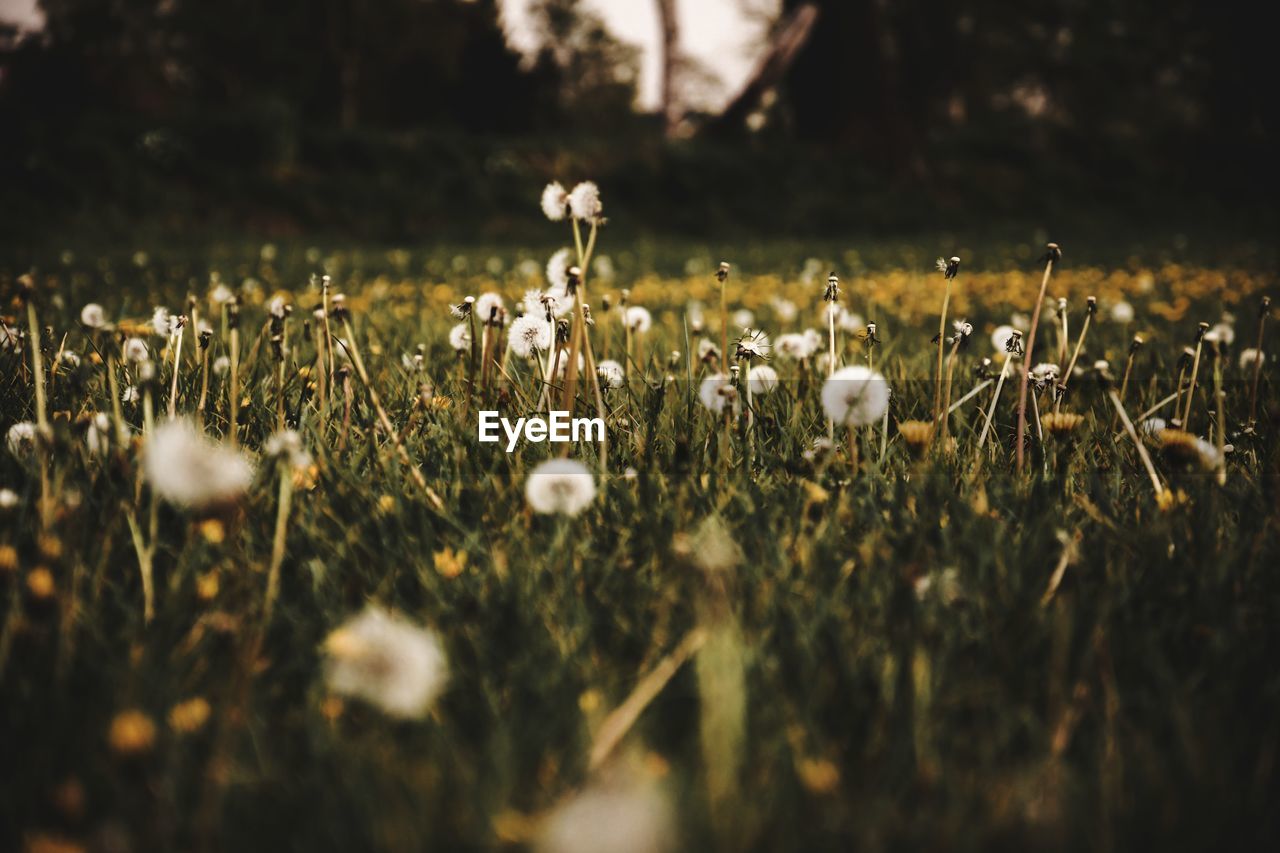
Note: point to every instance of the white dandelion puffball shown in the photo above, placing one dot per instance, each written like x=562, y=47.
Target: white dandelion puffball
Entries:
x=1224, y=333
x=795, y=346
x=743, y=318
x=93, y=316
x=187, y=468
x=460, y=337
x=554, y=201
x=716, y=392
x=622, y=817
x=855, y=396
x=784, y=310
x=1045, y=372
x=560, y=486
x=611, y=373
x=1000, y=338
x=221, y=295
x=638, y=319
x=558, y=270
x=846, y=320
x=1152, y=426
x=98, y=436
x=221, y=365
x=533, y=303
x=487, y=306
x=163, y=323
x=387, y=661
x=584, y=202
x=135, y=350
x=287, y=446
x=763, y=379
x=1122, y=312
x=563, y=368
x=8, y=498
x=21, y=439
x=131, y=394
x=1251, y=357
x=528, y=335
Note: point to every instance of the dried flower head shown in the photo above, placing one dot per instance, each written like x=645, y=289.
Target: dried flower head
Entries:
x=1061, y=423
x=638, y=319
x=916, y=434
x=611, y=374
x=92, y=316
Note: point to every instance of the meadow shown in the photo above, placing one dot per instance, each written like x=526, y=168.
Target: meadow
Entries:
x=262, y=588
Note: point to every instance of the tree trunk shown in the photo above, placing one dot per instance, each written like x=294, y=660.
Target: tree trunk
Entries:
x=670, y=26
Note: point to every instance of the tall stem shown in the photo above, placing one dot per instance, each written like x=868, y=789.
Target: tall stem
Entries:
x=1026, y=359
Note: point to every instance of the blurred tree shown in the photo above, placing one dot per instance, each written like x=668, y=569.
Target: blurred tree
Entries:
x=598, y=73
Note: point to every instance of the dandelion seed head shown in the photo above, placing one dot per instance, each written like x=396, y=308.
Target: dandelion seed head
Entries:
x=555, y=201
x=715, y=393
x=21, y=440
x=489, y=306
x=286, y=446
x=93, y=316
x=528, y=335
x=188, y=469
x=460, y=337
x=387, y=661
x=631, y=816
x=560, y=487
x=764, y=379
x=163, y=324
x=611, y=373
x=638, y=319
x=796, y=346
x=584, y=202
x=1250, y=357
x=1000, y=338
x=855, y=396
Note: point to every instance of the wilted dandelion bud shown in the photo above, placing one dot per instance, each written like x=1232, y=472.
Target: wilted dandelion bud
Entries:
x=338, y=307
x=1135, y=344
x=1201, y=328
x=1062, y=305
x=855, y=396
x=1091, y=305
x=833, y=288
x=673, y=359
x=606, y=303
x=1053, y=252
x=1103, y=368
x=722, y=271
x=92, y=316
x=916, y=435
x=560, y=486
x=949, y=267
x=1002, y=337
x=555, y=201
x=463, y=309
x=387, y=661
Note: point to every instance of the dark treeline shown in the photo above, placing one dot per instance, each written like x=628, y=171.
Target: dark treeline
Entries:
x=394, y=116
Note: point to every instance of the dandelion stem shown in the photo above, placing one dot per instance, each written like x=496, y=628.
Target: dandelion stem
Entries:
x=1195, y=370
x=283, y=504
x=995, y=398
x=1066, y=374
x=1054, y=254
x=942, y=342
x=177, y=364
x=233, y=386
x=42, y=417
x=1257, y=363
x=1137, y=442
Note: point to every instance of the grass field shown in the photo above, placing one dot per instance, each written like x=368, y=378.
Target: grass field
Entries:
x=765, y=630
